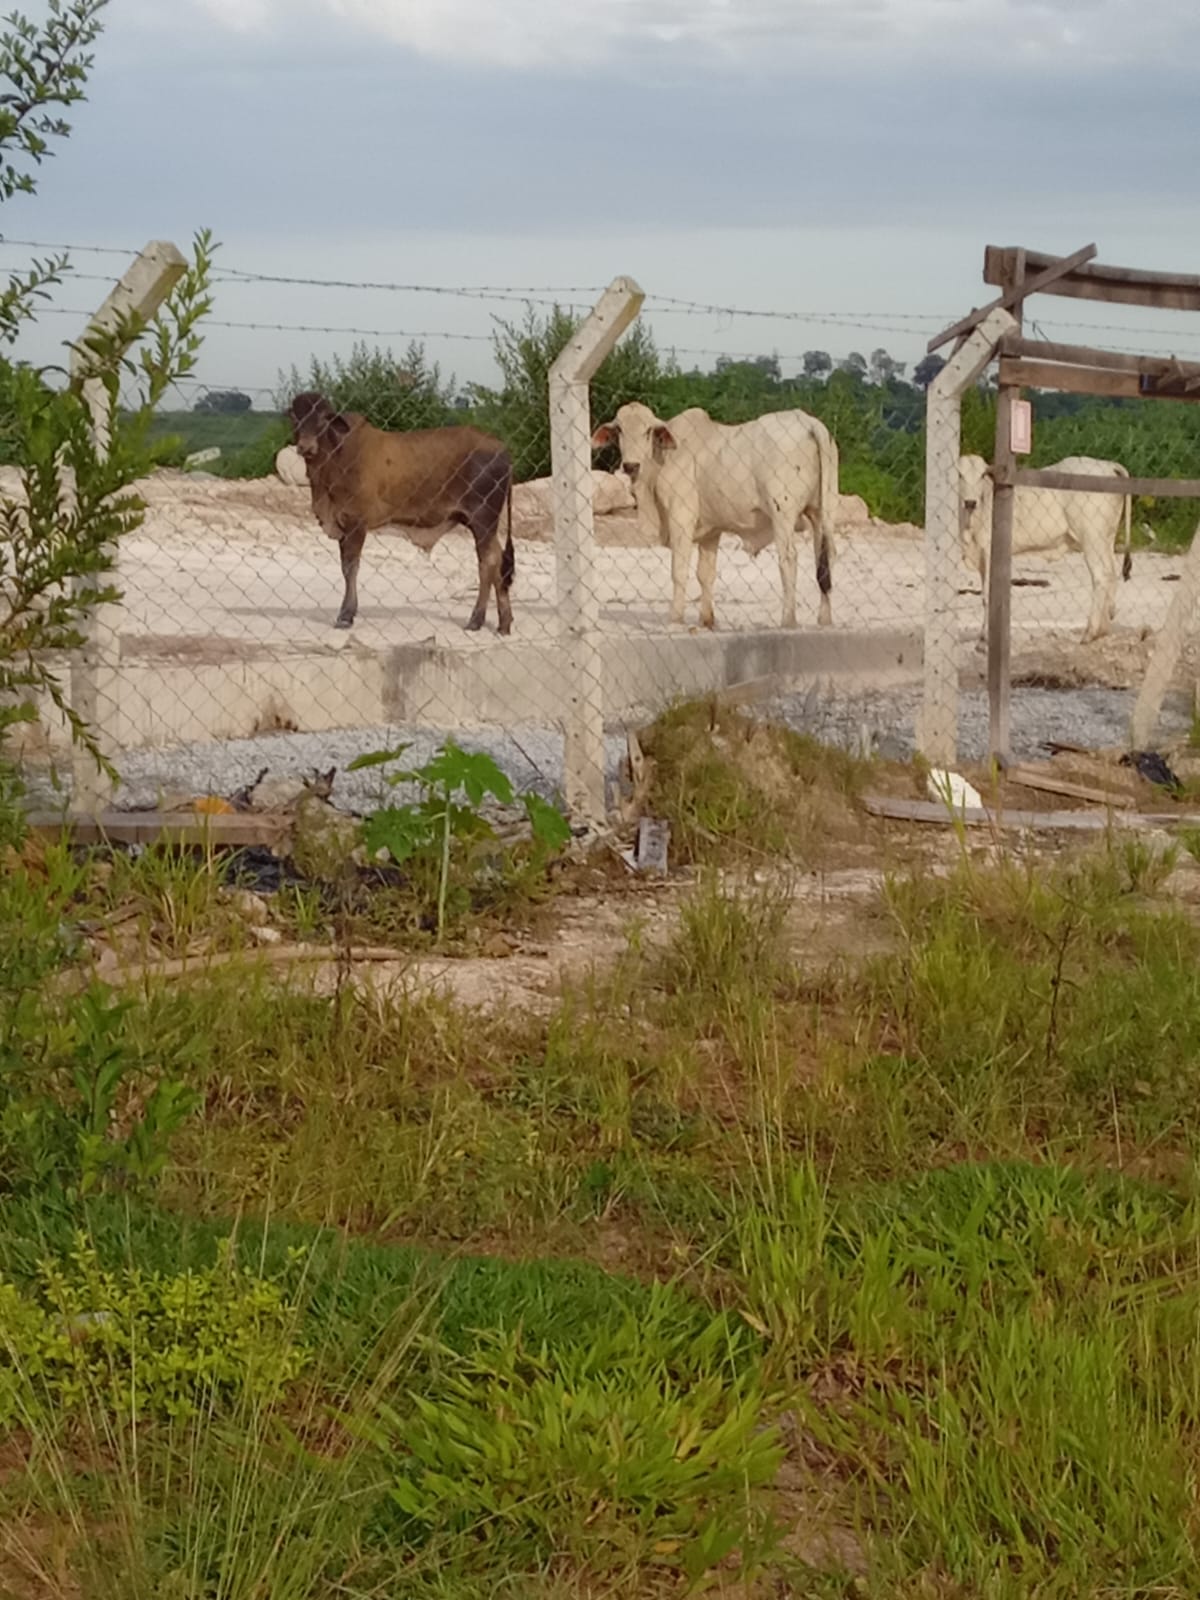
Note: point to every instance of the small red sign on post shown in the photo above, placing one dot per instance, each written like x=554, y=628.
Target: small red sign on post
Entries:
x=1020, y=435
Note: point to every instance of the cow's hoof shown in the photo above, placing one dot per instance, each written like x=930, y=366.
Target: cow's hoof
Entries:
x=473, y=625
x=504, y=629
x=344, y=622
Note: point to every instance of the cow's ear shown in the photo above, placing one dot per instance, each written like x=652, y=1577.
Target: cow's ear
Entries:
x=663, y=438
x=337, y=426
x=605, y=434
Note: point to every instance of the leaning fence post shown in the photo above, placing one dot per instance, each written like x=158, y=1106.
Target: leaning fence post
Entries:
x=96, y=666
x=575, y=547
x=1167, y=649
x=938, y=734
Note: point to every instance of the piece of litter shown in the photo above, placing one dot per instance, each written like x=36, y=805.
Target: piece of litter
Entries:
x=1151, y=766
x=650, y=852
x=653, y=837
x=953, y=791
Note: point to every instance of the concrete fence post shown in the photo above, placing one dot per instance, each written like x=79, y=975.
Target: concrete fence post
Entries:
x=938, y=732
x=1168, y=647
x=575, y=548
x=96, y=667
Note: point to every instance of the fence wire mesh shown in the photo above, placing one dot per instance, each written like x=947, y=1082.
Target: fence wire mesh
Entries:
x=755, y=520
x=331, y=564
x=1092, y=572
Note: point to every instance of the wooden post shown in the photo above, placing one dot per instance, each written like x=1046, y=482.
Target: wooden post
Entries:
x=938, y=734
x=575, y=547
x=999, y=596
x=1167, y=649
x=96, y=667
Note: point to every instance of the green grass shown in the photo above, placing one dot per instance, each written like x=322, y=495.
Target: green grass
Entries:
x=248, y=442
x=733, y=1246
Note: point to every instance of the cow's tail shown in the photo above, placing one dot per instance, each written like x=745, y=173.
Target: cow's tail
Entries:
x=508, y=562
x=1127, y=564
x=827, y=452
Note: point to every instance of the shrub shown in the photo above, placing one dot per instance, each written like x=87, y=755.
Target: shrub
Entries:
x=143, y=1344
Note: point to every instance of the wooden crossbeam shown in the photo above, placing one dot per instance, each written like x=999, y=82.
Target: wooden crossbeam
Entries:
x=1163, y=291
x=1016, y=292
x=1080, y=355
x=1086, y=483
x=1112, y=382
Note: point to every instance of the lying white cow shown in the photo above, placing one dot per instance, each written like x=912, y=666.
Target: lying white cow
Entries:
x=695, y=479
x=1049, y=522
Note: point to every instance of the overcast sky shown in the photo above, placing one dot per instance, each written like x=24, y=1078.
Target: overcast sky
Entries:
x=831, y=159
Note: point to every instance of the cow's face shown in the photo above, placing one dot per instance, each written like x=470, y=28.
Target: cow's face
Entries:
x=974, y=493
x=316, y=427
x=642, y=437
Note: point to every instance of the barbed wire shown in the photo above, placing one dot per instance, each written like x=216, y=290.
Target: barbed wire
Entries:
x=657, y=305
x=422, y=334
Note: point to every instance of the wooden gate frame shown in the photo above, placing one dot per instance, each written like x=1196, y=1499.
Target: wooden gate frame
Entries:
x=1076, y=369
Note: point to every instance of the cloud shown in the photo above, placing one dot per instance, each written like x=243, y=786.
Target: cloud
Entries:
x=1065, y=35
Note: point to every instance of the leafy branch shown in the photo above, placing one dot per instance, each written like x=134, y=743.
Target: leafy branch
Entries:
x=47, y=67
x=432, y=826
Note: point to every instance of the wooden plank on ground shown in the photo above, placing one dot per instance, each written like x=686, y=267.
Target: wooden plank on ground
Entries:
x=1044, y=821
x=166, y=827
x=1032, y=778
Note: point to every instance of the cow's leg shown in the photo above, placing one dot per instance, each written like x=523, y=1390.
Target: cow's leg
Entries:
x=482, y=511
x=681, y=554
x=822, y=556
x=1102, y=569
x=351, y=542
x=706, y=571
x=784, y=526
x=491, y=558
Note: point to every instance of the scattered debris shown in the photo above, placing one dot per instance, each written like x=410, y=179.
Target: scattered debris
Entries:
x=953, y=790
x=283, y=793
x=250, y=907
x=650, y=852
x=240, y=798
x=259, y=868
x=1056, y=748
x=1151, y=766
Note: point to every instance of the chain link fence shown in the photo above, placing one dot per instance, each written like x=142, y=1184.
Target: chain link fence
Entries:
x=660, y=522
x=365, y=554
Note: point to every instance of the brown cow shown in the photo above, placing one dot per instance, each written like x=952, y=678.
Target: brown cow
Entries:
x=363, y=478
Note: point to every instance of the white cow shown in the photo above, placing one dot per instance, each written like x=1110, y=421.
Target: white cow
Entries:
x=695, y=479
x=1049, y=522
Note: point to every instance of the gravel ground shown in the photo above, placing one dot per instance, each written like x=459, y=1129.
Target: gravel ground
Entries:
x=532, y=758
x=1092, y=717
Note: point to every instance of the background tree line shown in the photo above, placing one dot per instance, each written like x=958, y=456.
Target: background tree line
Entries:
x=872, y=405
